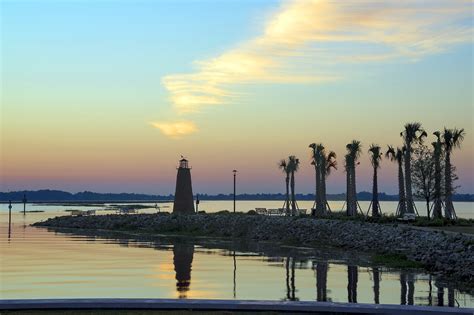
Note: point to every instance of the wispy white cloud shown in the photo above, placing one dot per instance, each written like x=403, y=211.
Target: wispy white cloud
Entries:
x=323, y=33
x=176, y=129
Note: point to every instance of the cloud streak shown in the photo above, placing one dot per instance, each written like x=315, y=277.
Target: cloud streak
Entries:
x=322, y=33
x=176, y=129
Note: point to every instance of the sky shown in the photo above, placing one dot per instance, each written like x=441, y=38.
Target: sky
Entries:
x=107, y=95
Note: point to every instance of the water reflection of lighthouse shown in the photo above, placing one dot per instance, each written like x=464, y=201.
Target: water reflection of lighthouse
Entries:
x=182, y=259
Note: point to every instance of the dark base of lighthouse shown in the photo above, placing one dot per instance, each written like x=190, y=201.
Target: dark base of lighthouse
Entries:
x=183, y=197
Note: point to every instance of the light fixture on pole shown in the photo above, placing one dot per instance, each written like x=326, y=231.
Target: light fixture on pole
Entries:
x=235, y=173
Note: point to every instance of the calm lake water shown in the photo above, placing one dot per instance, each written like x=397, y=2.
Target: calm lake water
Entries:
x=42, y=263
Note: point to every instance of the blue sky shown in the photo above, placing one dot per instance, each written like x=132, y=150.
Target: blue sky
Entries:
x=109, y=94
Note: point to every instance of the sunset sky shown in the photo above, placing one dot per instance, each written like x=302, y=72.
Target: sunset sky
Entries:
x=106, y=95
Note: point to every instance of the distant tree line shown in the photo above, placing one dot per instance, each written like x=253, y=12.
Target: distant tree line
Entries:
x=57, y=195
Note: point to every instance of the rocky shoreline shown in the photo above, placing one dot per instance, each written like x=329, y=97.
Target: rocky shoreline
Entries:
x=449, y=255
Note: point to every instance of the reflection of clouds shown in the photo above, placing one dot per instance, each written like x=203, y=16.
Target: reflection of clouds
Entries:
x=307, y=41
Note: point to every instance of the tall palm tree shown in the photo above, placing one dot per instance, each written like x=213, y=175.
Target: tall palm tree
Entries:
x=354, y=150
x=396, y=155
x=348, y=167
x=375, y=158
x=293, y=165
x=413, y=133
x=323, y=163
x=437, y=152
x=283, y=165
x=328, y=163
x=452, y=138
x=315, y=161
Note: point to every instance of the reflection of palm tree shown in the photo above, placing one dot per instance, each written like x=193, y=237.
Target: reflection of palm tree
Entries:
x=397, y=156
x=290, y=279
x=321, y=281
x=375, y=157
x=287, y=265
x=451, y=297
x=376, y=275
x=182, y=260
x=407, y=283
x=413, y=133
x=440, y=295
x=430, y=297
x=411, y=288
x=403, y=291
x=452, y=138
x=352, y=275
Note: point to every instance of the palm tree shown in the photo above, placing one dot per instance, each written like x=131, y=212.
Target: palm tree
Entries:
x=413, y=133
x=293, y=166
x=375, y=158
x=452, y=138
x=354, y=152
x=328, y=163
x=323, y=163
x=283, y=165
x=396, y=155
x=315, y=160
x=437, y=151
x=348, y=167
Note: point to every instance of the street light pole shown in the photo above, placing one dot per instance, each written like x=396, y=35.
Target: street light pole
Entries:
x=24, y=204
x=235, y=172
x=9, y=219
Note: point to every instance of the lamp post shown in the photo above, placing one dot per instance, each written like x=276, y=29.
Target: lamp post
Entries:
x=24, y=204
x=235, y=173
x=9, y=218
x=197, y=203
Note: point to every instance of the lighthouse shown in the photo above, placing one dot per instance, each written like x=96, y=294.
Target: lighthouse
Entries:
x=183, y=196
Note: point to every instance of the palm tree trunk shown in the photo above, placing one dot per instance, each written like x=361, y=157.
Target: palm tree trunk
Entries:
x=348, y=190
x=287, y=205
x=313, y=210
x=353, y=189
x=318, y=187
x=293, y=199
x=322, y=172
x=375, y=196
x=449, y=208
x=319, y=204
x=401, y=190
x=409, y=192
x=323, y=193
x=437, y=207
